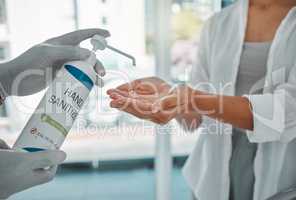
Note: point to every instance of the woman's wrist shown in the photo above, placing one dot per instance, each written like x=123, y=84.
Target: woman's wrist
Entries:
x=186, y=100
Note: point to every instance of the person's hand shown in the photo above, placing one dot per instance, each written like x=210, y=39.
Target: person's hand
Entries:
x=29, y=73
x=158, y=107
x=180, y=104
x=22, y=170
x=137, y=98
x=180, y=100
x=150, y=86
x=145, y=97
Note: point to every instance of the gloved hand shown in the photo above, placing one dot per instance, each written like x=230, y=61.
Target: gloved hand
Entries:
x=21, y=170
x=27, y=74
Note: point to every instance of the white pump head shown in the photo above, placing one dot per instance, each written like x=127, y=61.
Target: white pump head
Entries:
x=100, y=43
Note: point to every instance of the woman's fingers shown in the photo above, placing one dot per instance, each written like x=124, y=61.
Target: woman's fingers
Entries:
x=147, y=88
x=124, y=87
x=119, y=102
x=143, y=110
x=127, y=98
x=129, y=86
x=140, y=86
x=137, y=108
x=115, y=94
x=141, y=114
x=139, y=105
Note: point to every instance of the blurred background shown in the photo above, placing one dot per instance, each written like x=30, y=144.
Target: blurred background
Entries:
x=111, y=155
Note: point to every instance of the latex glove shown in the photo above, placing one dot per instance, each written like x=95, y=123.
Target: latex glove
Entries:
x=22, y=170
x=29, y=72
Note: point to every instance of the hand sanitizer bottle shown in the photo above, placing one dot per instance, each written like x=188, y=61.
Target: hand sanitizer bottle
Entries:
x=58, y=109
x=54, y=117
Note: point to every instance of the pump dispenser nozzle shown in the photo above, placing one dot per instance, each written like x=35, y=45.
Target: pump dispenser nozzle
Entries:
x=92, y=59
x=100, y=43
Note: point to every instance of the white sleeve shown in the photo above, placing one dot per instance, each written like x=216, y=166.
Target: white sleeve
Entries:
x=199, y=78
x=275, y=113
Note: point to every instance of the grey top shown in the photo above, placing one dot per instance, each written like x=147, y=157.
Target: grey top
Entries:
x=252, y=69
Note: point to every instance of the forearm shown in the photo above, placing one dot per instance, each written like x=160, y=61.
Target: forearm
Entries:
x=234, y=110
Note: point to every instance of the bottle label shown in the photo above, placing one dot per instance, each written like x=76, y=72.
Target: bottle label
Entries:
x=80, y=76
x=57, y=111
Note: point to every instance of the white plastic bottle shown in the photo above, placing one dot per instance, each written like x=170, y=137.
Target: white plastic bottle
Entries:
x=57, y=111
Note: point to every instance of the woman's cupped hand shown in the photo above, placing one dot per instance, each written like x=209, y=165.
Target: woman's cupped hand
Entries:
x=151, y=99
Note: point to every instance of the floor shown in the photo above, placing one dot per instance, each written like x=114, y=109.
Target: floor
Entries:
x=86, y=183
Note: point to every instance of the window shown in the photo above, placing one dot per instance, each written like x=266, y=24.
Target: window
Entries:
x=3, y=17
x=188, y=18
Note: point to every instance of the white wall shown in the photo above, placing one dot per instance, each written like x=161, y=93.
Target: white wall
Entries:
x=32, y=21
x=126, y=22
